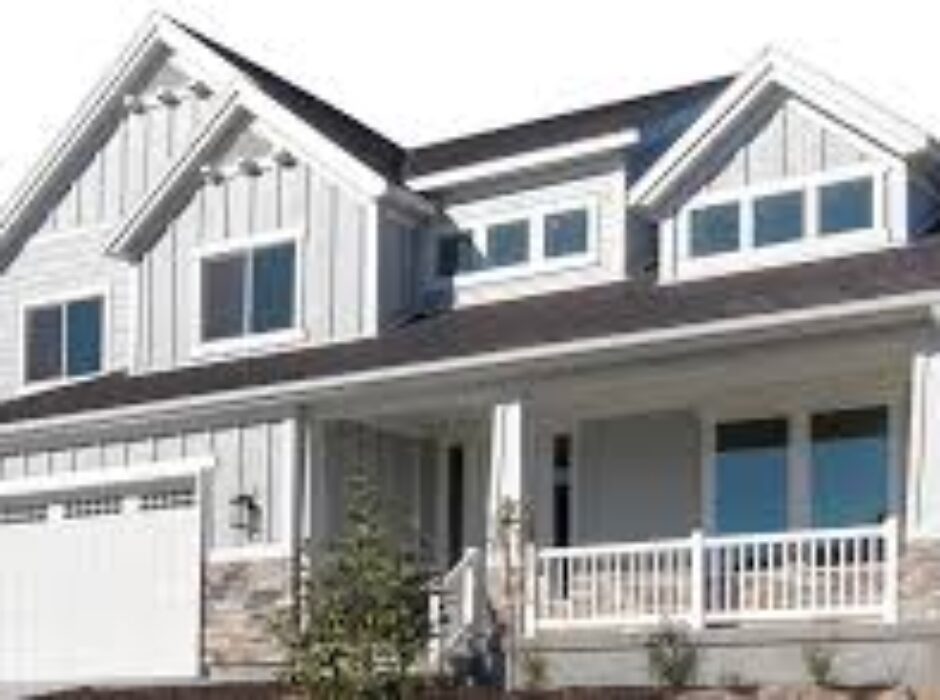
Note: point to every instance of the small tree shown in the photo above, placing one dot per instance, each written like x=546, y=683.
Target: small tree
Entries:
x=361, y=623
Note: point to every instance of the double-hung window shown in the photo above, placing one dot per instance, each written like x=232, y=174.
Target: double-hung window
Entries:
x=64, y=339
x=248, y=292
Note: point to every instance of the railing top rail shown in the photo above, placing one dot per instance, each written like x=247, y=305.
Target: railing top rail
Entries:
x=468, y=560
x=809, y=535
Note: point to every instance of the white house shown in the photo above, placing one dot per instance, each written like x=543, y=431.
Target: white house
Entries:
x=694, y=333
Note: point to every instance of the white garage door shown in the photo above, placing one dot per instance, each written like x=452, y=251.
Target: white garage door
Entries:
x=100, y=584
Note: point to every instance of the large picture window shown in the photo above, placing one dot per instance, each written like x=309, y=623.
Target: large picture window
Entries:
x=249, y=292
x=751, y=475
x=850, y=467
x=64, y=339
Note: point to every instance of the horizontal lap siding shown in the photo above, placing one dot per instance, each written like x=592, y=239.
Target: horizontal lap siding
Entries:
x=253, y=458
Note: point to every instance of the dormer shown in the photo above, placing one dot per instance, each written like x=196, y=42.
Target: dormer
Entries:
x=786, y=166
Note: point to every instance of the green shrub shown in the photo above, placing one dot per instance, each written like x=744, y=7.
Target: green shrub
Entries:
x=819, y=663
x=361, y=624
x=672, y=657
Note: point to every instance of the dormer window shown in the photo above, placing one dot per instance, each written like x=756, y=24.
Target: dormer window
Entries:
x=715, y=229
x=779, y=218
x=507, y=243
x=846, y=206
x=63, y=339
x=248, y=290
x=779, y=222
x=543, y=238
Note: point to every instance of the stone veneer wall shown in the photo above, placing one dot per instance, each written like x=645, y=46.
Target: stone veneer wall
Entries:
x=919, y=584
x=241, y=599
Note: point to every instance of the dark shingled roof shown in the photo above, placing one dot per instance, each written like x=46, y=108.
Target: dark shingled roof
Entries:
x=636, y=113
x=397, y=163
x=377, y=151
x=617, y=308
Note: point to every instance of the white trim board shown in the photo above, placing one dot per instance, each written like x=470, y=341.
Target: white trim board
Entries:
x=524, y=161
x=911, y=307
x=142, y=473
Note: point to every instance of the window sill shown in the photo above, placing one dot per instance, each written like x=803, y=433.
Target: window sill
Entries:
x=27, y=388
x=511, y=273
x=791, y=253
x=251, y=344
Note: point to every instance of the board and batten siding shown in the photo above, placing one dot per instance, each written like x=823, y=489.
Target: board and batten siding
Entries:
x=132, y=151
x=330, y=220
x=637, y=477
x=390, y=462
x=250, y=457
x=789, y=142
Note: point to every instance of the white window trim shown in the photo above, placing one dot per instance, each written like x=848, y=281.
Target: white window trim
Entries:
x=538, y=263
x=811, y=245
x=797, y=413
x=26, y=386
x=252, y=341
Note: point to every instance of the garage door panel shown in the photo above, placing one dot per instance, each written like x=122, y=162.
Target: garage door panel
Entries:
x=90, y=593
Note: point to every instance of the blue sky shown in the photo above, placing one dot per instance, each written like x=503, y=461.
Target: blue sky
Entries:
x=420, y=70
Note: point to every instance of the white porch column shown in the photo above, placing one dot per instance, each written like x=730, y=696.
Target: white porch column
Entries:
x=316, y=516
x=923, y=463
x=508, y=514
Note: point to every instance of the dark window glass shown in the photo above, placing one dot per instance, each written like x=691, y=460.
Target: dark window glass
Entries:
x=272, y=288
x=223, y=297
x=846, y=206
x=84, y=333
x=751, y=476
x=715, y=229
x=778, y=218
x=456, y=254
x=566, y=233
x=507, y=244
x=455, y=501
x=44, y=343
x=850, y=467
x=561, y=478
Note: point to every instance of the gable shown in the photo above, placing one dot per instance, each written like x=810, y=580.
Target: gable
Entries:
x=789, y=140
x=133, y=147
x=757, y=91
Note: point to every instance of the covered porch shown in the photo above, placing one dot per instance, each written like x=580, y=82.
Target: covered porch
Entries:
x=769, y=482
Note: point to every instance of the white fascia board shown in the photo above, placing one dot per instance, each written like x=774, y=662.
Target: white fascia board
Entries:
x=110, y=477
x=135, y=225
x=774, y=67
x=523, y=161
x=911, y=306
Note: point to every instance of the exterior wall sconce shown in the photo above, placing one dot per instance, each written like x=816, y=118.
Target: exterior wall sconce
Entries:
x=244, y=513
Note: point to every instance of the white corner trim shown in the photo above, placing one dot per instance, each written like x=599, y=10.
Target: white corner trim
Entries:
x=145, y=472
x=773, y=66
x=532, y=159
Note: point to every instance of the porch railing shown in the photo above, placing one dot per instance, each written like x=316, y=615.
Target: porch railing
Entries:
x=452, y=605
x=810, y=574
